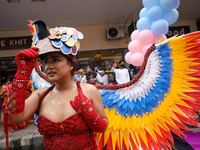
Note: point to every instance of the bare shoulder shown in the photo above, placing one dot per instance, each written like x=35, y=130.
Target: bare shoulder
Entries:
x=41, y=91
x=89, y=90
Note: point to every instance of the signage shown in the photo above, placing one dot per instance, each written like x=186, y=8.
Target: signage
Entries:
x=15, y=43
x=178, y=30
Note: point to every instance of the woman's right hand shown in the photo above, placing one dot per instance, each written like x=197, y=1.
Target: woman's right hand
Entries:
x=26, y=59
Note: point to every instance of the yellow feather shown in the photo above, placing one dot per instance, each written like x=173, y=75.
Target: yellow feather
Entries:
x=126, y=138
x=134, y=138
x=143, y=136
x=106, y=135
x=117, y=122
x=114, y=137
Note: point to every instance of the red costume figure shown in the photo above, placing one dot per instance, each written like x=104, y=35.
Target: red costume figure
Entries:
x=69, y=112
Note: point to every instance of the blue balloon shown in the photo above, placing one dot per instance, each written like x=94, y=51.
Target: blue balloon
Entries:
x=143, y=23
x=169, y=4
x=159, y=27
x=171, y=16
x=150, y=3
x=154, y=13
x=143, y=12
x=177, y=5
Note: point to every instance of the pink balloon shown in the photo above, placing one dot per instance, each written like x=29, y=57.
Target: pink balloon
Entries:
x=145, y=48
x=128, y=57
x=135, y=46
x=137, y=59
x=159, y=37
x=146, y=36
x=134, y=35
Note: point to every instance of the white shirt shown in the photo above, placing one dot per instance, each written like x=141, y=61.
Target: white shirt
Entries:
x=99, y=78
x=105, y=79
x=81, y=78
x=122, y=75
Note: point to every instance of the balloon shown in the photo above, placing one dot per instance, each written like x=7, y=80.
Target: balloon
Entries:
x=134, y=35
x=159, y=37
x=154, y=13
x=135, y=46
x=171, y=16
x=143, y=23
x=145, y=36
x=143, y=12
x=177, y=5
x=137, y=59
x=169, y=4
x=150, y=3
x=128, y=57
x=145, y=48
x=160, y=26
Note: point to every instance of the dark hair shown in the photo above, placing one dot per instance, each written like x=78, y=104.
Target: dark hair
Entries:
x=121, y=61
x=70, y=59
x=103, y=69
x=91, y=67
x=113, y=63
x=91, y=77
x=79, y=67
x=131, y=66
x=11, y=78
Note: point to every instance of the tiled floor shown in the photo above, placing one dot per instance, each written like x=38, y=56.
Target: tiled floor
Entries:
x=28, y=130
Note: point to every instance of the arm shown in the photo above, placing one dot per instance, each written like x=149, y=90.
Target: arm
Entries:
x=96, y=100
x=91, y=108
x=99, y=79
x=31, y=105
x=15, y=101
x=2, y=92
x=116, y=76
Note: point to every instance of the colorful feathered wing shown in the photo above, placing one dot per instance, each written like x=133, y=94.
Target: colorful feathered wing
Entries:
x=164, y=94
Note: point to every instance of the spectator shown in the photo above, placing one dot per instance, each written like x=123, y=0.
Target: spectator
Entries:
x=131, y=71
x=90, y=68
x=91, y=78
x=135, y=70
x=80, y=76
x=122, y=74
x=5, y=88
x=114, y=65
x=111, y=74
x=104, y=77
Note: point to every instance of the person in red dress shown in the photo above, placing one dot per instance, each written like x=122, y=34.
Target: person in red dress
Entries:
x=5, y=88
x=69, y=112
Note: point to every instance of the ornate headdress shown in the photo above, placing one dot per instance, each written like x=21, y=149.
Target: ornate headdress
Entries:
x=64, y=39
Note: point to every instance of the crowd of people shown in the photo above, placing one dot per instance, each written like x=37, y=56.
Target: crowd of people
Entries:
x=117, y=74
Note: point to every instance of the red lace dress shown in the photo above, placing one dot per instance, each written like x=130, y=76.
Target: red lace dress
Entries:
x=70, y=134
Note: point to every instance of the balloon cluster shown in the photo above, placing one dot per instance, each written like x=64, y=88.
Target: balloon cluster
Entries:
x=153, y=25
